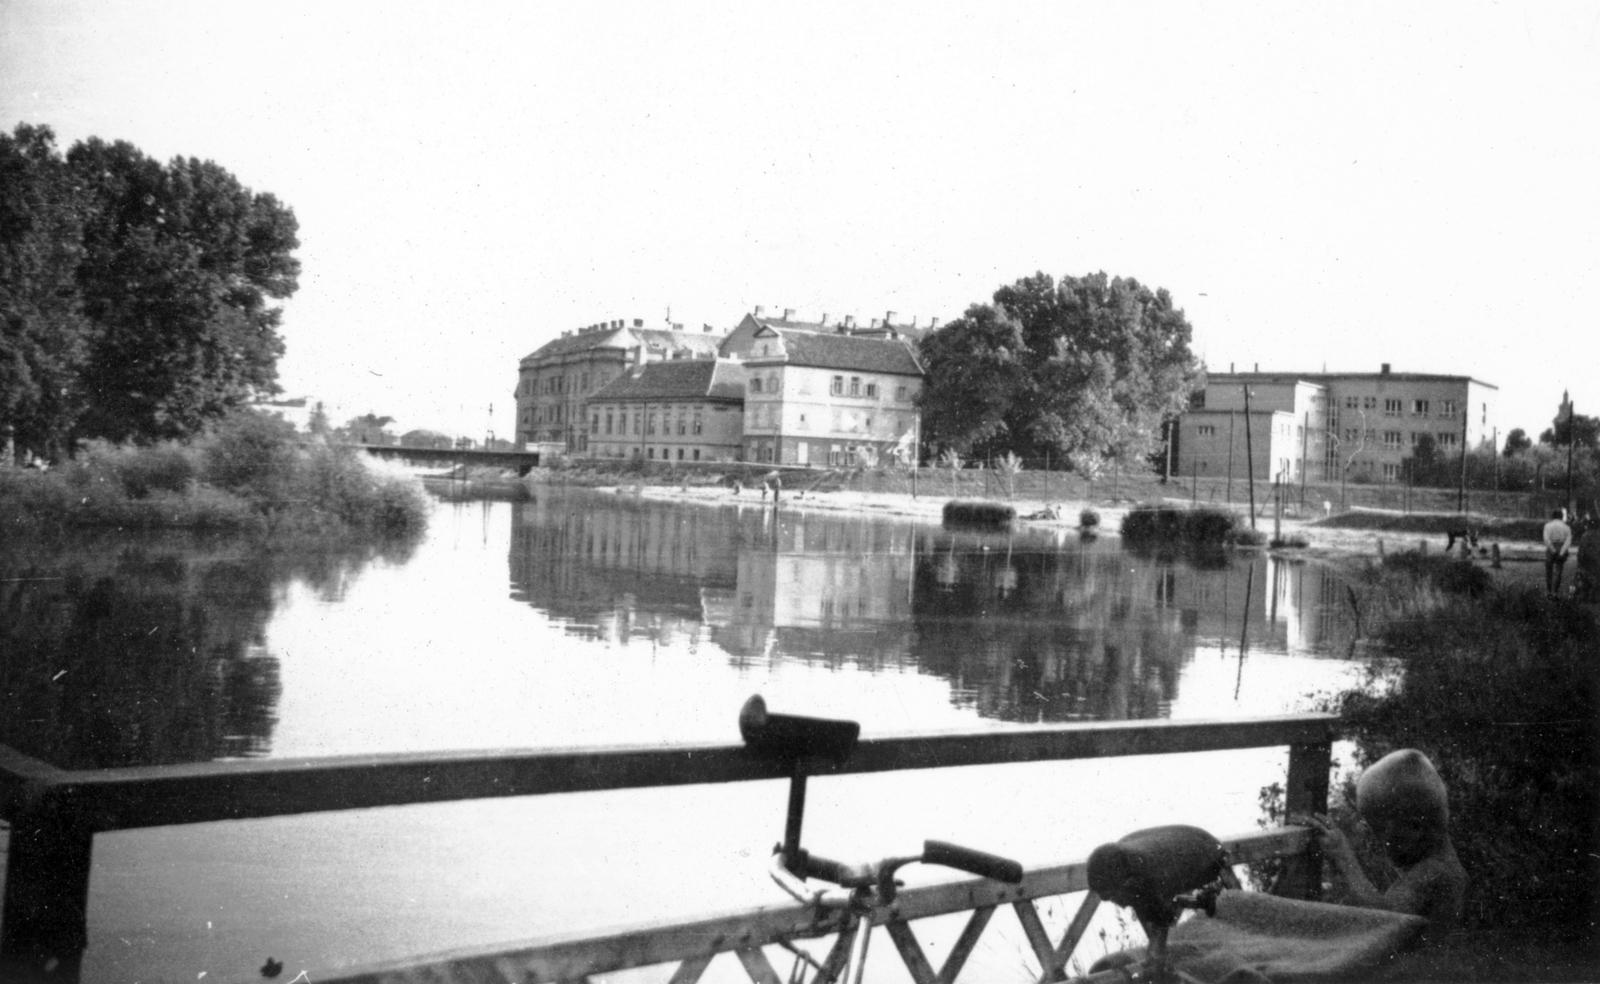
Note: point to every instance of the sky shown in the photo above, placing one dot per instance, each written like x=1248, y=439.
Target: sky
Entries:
x=1318, y=185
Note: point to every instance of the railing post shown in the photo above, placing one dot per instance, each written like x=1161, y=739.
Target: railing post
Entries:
x=44, y=919
x=1309, y=765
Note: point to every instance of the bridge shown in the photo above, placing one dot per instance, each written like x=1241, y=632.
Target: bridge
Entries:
x=522, y=461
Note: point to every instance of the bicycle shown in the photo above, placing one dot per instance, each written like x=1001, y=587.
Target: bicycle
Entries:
x=863, y=892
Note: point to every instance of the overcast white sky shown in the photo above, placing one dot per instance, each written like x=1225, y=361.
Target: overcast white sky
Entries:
x=1338, y=184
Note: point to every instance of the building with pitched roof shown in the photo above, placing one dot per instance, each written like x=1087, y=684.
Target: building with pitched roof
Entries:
x=685, y=410
x=826, y=398
x=1312, y=426
x=554, y=381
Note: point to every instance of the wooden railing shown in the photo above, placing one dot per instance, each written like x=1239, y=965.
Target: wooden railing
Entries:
x=55, y=813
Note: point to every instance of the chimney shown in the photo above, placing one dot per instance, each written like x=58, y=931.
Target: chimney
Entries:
x=933, y=323
x=788, y=314
x=874, y=323
x=1230, y=368
x=913, y=321
x=849, y=321
x=1385, y=369
x=705, y=328
x=888, y=318
x=677, y=326
x=824, y=319
x=759, y=309
x=638, y=357
x=638, y=322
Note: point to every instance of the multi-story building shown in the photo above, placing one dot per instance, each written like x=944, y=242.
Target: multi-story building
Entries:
x=820, y=398
x=1323, y=426
x=554, y=381
x=686, y=410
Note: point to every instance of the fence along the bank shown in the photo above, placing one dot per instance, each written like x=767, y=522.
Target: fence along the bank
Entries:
x=56, y=813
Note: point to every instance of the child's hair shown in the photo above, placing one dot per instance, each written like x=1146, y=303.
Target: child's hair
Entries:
x=1404, y=784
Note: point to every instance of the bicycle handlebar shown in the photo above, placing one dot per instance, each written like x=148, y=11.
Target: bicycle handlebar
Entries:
x=972, y=861
x=791, y=736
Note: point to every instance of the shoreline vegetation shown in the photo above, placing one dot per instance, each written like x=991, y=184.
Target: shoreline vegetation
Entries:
x=252, y=475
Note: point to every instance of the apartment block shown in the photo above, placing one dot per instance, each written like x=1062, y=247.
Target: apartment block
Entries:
x=686, y=410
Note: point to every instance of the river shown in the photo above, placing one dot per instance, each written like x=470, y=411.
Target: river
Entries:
x=588, y=618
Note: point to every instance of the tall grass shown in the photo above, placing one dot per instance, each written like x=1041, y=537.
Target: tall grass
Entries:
x=250, y=474
x=1498, y=686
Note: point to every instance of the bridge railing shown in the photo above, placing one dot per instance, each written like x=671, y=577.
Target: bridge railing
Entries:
x=55, y=814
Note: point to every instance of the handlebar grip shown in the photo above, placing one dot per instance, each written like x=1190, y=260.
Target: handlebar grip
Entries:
x=809, y=865
x=970, y=860
x=790, y=736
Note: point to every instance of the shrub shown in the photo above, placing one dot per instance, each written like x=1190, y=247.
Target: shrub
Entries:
x=987, y=514
x=1447, y=574
x=1244, y=536
x=1089, y=519
x=1295, y=541
x=1161, y=525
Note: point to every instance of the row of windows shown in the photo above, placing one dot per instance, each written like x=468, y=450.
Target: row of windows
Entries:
x=557, y=385
x=645, y=423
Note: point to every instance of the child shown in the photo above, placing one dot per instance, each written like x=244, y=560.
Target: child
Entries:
x=1404, y=803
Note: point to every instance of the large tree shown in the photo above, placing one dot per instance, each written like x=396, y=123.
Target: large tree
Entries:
x=43, y=331
x=1084, y=370
x=180, y=262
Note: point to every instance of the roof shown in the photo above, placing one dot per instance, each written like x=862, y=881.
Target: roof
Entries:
x=655, y=339
x=1328, y=377
x=683, y=379
x=878, y=331
x=831, y=351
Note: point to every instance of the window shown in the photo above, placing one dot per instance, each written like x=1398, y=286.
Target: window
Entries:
x=650, y=425
x=1447, y=409
x=608, y=422
x=638, y=419
x=1391, y=470
x=855, y=385
x=652, y=453
x=594, y=428
x=1369, y=403
x=755, y=385
x=697, y=425
x=838, y=386
x=1446, y=439
x=1419, y=408
x=1352, y=402
x=680, y=454
x=1206, y=430
x=697, y=454
x=1393, y=408
x=772, y=382
x=584, y=385
x=872, y=391
x=1391, y=439
x=900, y=394
x=1352, y=434
x=683, y=425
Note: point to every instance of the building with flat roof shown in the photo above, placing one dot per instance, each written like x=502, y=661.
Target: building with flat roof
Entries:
x=1325, y=426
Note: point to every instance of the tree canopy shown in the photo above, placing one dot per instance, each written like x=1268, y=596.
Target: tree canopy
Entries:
x=1084, y=370
x=1569, y=427
x=135, y=296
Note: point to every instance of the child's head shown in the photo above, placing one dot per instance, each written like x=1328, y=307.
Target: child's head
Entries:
x=1405, y=803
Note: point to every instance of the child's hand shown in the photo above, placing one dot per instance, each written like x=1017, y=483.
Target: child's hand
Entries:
x=1333, y=840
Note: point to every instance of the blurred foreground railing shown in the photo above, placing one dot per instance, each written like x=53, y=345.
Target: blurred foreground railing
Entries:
x=55, y=813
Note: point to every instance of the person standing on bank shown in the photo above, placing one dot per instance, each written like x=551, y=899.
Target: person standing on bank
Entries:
x=1557, y=540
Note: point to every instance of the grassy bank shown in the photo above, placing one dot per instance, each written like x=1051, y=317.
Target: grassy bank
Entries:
x=1498, y=686
x=250, y=475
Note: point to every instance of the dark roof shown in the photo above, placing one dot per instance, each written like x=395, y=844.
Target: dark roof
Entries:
x=829, y=351
x=655, y=339
x=683, y=379
x=880, y=332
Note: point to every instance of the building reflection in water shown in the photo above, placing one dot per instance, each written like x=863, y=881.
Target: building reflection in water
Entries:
x=1034, y=626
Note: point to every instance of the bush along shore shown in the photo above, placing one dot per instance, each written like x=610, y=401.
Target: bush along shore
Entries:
x=1497, y=684
x=250, y=474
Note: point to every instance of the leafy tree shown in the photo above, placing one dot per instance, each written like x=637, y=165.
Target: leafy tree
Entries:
x=318, y=423
x=1517, y=441
x=43, y=330
x=369, y=428
x=1568, y=426
x=179, y=264
x=1083, y=370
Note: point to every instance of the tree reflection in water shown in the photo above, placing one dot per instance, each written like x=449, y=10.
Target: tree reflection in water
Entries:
x=148, y=649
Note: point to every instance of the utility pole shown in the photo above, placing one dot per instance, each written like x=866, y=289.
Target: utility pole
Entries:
x=1305, y=436
x=1249, y=457
x=1230, y=457
x=1461, y=493
x=1166, y=476
x=1572, y=442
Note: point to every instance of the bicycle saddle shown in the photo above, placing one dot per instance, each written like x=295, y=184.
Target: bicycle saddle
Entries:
x=790, y=736
x=1148, y=869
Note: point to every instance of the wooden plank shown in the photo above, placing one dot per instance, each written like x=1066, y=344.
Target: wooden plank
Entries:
x=690, y=970
x=1071, y=938
x=911, y=952
x=116, y=799
x=572, y=956
x=20, y=777
x=965, y=944
x=758, y=966
x=1038, y=938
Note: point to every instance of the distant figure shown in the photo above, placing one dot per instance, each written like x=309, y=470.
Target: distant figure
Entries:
x=738, y=486
x=1586, y=577
x=1468, y=537
x=774, y=482
x=1557, y=539
x=1405, y=804
x=1327, y=508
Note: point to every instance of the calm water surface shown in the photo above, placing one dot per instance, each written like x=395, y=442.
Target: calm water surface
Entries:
x=586, y=618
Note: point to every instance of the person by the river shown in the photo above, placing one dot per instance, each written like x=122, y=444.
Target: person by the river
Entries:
x=1557, y=540
x=1405, y=804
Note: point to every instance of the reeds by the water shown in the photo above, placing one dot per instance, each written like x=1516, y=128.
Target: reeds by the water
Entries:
x=988, y=515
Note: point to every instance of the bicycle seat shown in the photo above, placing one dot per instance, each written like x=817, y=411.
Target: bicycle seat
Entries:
x=789, y=736
x=1148, y=869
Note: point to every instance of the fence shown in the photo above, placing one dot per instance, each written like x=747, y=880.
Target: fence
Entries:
x=55, y=815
